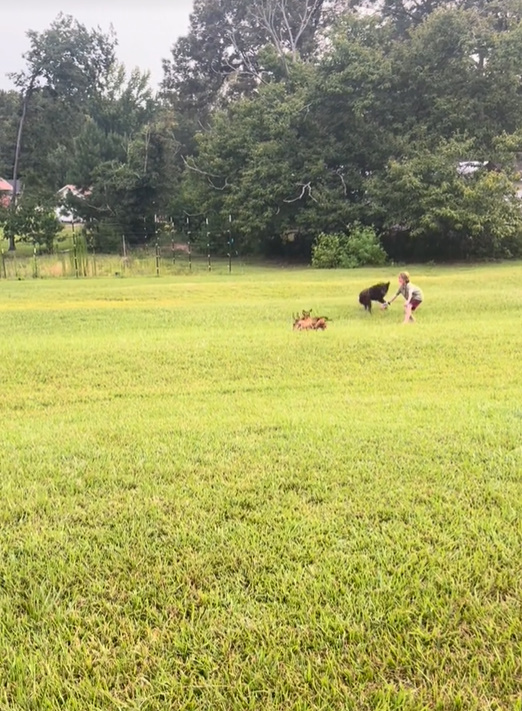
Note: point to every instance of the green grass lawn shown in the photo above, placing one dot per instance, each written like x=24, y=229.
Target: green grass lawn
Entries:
x=202, y=509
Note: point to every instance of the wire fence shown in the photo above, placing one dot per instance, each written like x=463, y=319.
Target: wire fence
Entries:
x=82, y=262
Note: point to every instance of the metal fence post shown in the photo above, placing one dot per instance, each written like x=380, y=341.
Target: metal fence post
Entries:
x=208, y=246
x=230, y=243
x=124, y=258
x=35, y=262
x=75, y=252
x=93, y=258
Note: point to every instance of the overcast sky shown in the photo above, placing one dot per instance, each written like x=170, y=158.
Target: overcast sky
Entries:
x=146, y=29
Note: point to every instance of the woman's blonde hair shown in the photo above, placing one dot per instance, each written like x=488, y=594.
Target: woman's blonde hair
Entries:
x=405, y=277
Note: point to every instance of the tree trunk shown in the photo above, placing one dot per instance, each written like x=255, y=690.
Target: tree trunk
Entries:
x=18, y=148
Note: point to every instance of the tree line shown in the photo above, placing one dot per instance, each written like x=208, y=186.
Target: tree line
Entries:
x=281, y=120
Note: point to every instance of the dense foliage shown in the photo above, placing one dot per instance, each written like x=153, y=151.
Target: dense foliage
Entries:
x=281, y=121
x=359, y=248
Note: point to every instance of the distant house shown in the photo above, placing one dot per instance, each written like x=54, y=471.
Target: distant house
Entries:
x=470, y=167
x=65, y=214
x=6, y=191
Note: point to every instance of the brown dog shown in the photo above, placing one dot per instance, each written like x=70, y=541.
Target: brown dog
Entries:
x=306, y=322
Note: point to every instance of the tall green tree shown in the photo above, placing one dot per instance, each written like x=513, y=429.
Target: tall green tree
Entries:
x=456, y=74
x=9, y=112
x=406, y=15
x=431, y=210
x=34, y=220
x=222, y=56
x=125, y=159
x=292, y=160
x=67, y=64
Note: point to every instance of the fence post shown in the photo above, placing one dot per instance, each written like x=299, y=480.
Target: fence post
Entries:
x=124, y=258
x=75, y=252
x=208, y=246
x=3, y=265
x=93, y=257
x=230, y=245
x=35, y=263
x=157, y=259
x=230, y=242
x=172, y=242
x=189, y=234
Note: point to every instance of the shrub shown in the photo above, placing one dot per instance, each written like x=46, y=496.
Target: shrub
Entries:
x=326, y=251
x=359, y=248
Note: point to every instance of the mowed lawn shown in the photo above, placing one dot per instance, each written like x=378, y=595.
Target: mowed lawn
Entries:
x=202, y=509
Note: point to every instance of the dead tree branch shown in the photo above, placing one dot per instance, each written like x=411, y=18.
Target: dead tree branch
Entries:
x=207, y=175
x=306, y=188
x=284, y=27
x=341, y=177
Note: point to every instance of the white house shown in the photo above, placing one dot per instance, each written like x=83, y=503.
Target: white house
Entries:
x=65, y=214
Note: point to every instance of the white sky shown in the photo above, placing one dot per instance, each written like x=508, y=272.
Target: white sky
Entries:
x=146, y=29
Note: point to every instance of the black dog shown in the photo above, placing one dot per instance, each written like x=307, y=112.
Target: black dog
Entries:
x=377, y=292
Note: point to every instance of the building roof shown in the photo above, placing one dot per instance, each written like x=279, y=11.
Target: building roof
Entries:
x=74, y=190
x=470, y=167
x=18, y=184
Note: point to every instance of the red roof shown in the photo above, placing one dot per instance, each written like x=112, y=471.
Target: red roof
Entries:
x=5, y=187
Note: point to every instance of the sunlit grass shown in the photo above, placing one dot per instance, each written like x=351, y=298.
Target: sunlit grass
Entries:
x=202, y=509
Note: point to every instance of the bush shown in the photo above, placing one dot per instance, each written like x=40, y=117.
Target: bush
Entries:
x=358, y=249
x=326, y=251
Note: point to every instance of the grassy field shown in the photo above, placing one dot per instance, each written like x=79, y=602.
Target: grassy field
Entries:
x=202, y=509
